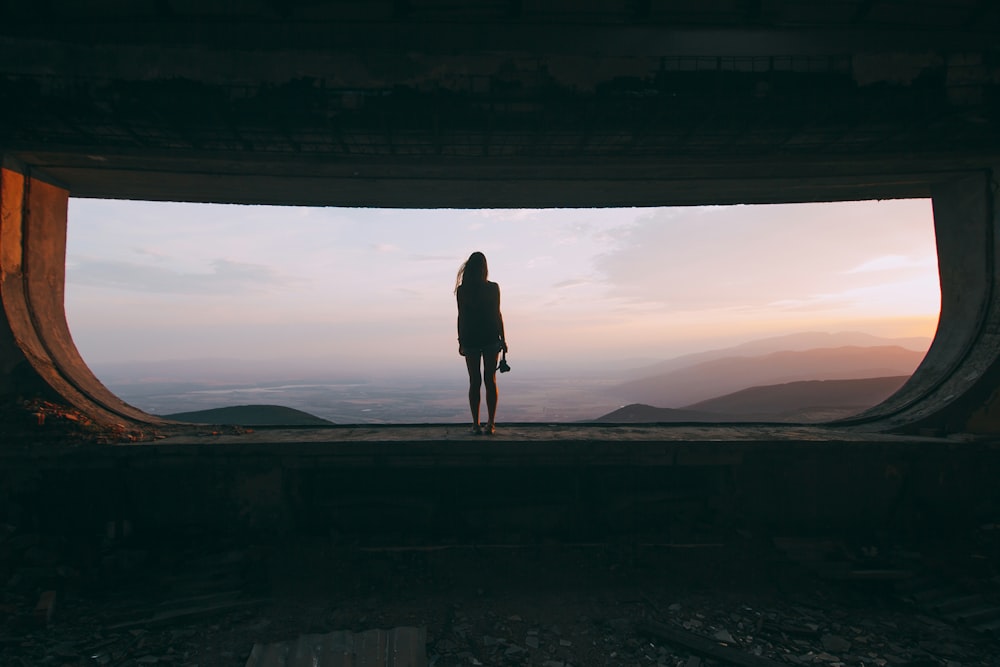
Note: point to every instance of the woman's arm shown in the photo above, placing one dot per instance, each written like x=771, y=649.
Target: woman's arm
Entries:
x=459, y=302
x=503, y=337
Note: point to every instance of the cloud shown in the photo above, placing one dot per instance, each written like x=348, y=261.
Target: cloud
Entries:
x=226, y=277
x=147, y=252
x=894, y=263
x=434, y=258
x=752, y=256
x=571, y=282
x=541, y=260
x=817, y=303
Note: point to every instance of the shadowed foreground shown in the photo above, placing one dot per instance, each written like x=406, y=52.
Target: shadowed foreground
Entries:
x=544, y=545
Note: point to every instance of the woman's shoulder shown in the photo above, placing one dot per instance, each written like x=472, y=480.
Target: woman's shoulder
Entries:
x=474, y=291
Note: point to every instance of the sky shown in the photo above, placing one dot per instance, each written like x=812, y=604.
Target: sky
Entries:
x=373, y=288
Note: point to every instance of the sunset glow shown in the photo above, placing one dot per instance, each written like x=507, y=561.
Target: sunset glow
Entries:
x=372, y=288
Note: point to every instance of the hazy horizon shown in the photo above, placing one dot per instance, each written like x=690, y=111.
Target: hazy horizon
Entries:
x=264, y=369
x=350, y=314
x=533, y=394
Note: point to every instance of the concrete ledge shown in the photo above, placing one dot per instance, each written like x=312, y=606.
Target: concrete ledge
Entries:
x=527, y=444
x=406, y=484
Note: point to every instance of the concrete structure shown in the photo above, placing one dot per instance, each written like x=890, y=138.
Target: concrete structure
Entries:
x=513, y=104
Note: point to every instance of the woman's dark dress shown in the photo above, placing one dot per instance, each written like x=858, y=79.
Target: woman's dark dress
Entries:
x=479, y=323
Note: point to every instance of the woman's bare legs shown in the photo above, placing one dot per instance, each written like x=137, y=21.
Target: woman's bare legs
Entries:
x=490, y=375
x=475, y=379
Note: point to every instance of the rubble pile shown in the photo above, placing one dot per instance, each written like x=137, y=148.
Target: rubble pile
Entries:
x=38, y=421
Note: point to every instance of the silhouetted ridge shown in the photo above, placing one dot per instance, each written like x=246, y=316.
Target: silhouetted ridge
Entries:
x=796, y=342
x=804, y=401
x=711, y=379
x=799, y=400
x=251, y=415
x=640, y=413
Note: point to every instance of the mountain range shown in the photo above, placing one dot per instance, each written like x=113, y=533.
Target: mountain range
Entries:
x=250, y=415
x=690, y=384
x=803, y=401
x=799, y=377
x=795, y=342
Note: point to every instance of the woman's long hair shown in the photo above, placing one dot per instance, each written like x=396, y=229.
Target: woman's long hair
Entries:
x=473, y=271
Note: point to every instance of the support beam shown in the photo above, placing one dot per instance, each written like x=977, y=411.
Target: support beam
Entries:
x=955, y=389
x=39, y=358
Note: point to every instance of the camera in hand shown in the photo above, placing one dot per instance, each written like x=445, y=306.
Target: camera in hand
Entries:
x=502, y=366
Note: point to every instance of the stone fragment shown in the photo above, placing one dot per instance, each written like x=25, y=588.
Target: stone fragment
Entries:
x=45, y=608
x=620, y=624
x=835, y=643
x=531, y=641
x=724, y=636
x=693, y=661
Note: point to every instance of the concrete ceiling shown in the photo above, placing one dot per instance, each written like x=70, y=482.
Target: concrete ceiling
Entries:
x=515, y=103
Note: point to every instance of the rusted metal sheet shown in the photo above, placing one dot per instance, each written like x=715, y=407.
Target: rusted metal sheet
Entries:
x=398, y=647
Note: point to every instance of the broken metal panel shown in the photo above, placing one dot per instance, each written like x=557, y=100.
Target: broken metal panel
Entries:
x=398, y=647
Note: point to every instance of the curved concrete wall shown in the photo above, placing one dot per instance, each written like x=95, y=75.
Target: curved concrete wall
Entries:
x=955, y=389
x=39, y=356
x=952, y=386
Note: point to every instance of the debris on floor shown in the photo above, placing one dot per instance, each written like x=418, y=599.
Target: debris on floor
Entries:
x=202, y=605
x=398, y=647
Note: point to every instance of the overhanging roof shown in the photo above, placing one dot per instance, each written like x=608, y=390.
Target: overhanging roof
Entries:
x=424, y=104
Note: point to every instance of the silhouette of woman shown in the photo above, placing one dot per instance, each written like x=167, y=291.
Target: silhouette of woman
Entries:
x=480, y=335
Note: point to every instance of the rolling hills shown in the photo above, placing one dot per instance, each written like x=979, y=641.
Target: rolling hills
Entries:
x=689, y=385
x=250, y=415
x=794, y=342
x=801, y=401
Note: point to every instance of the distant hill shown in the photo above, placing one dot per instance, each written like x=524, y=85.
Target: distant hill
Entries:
x=251, y=415
x=640, y=413
x=796, y=342
x=710, y=379
x=798, y=400
x=804, y=401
